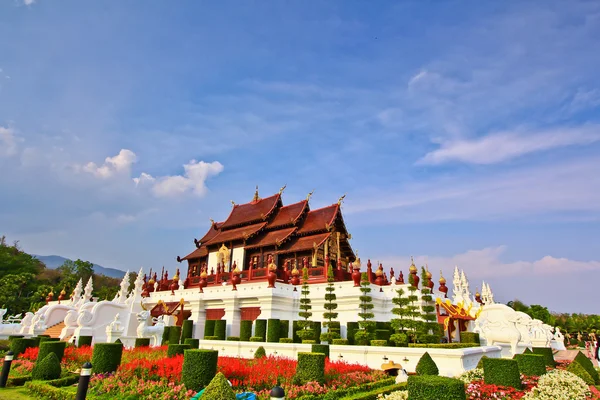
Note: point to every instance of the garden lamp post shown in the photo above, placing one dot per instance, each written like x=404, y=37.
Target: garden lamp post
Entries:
x=84, y=381
x=277, y=393
x=8, y=358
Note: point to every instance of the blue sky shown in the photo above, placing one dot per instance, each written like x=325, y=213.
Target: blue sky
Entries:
x=463, y=133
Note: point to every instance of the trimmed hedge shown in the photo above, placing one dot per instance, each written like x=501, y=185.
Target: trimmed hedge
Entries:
x=310, y=368
x=470, y=337
x=174, y=335
x=316, y=328
x=284, y=328
x=426, y=366
x=218, y=389
x=379, y=343
x=480, y=363
x=309, y=341
x=351, y=328
x=273, y=328
x=165, y=336
x=257, y=339
x=19, y=345
x=199, y=367
x=194, y=343
x=577, y=369
x=85, y=341
x=286, y=340
x=17, y=380
x=106, y=357
x=142, y=342
x=443, y=345
x=382, y=334
x=175, y=349
x=51, y=390
x=401, y=340
x=11, y=337
x=549, y=357
x=260, y=328
x=245, y=330
x=35, y=340
x=531, y=364
x=220, y=329
x=187, y=330
x=295, y=329
x=586, y=363
x=233, y=338
x=47, y=339
x=320, y=348
x=357, y=390
x=260, y=352
x=211, y=338
x=501, y=372
x=435, y=388
x=209, y=328
x=46, y=369
x=53, y=346
x=342, y=342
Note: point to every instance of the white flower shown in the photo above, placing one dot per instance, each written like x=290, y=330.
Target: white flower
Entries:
x=559, y=384
x=399, y=395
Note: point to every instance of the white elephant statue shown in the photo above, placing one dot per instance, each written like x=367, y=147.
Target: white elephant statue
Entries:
x=145, y=329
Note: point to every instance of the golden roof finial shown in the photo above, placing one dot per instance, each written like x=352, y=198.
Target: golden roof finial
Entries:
x=233, y=203
x=212, y=221
x=442, y=279
x=341, y=199
x=282, y=189
x=256, y=198
x=310, y=195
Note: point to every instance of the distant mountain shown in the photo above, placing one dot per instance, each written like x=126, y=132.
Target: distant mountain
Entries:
x=54, y=262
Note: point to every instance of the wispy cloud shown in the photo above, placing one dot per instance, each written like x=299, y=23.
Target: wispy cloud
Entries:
x=8, y=141
x=119, y=164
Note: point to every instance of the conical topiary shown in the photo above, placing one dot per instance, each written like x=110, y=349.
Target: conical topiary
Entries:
x=260, y=352
x=46, y=369
x=426, y=366
x=218, y=389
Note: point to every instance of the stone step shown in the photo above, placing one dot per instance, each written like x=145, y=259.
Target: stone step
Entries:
x=54, y=330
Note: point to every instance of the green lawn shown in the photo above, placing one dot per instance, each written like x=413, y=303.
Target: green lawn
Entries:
x=17, y=393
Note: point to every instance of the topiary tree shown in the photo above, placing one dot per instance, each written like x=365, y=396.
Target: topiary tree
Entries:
x=194, y=343
x=85, y=341
x=106, y=357
x=260, y=352
x=187, y=330
x=19, y=345
x=245, y=330
x=260, y=329
x=199, y=368
x=415, y=313
x=426, y=366
x=365, y=334
x=310, y=368
x=429, y=325
x=273, y=330
x=175, y=349
x=142, y=342
x=305, y=332
x=174, y=335
x=218, y=389
x=220, y=329
x=209, y=328
x=47, y=369
x=56, y=347
x=330, y=305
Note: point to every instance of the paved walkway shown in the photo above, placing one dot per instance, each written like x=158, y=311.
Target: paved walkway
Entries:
x=569, y=355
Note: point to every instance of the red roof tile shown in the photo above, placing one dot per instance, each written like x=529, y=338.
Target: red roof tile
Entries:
x=305, y=242
x=243, y=232
x=200, y=252
x=319, y=220
x=251, y=212
x=288, y=214
x=212, y=232
x=272, y=238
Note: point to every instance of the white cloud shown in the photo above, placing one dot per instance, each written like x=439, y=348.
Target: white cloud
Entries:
x=117, y=165
x=8, y=142
x=28, y=2
x=503, y=146
x=194, y=180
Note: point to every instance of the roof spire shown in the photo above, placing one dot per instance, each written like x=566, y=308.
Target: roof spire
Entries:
x=310, y=195
x=256, y=198
x=280, y=190
x=341, y=199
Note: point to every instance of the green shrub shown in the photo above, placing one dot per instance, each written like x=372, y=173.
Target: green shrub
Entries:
x=209, y=328
x=585, y=362
x=260, y=328
x=233, y=338
x=577, y=369
x=273, y=327
x=220, y=329
x=316, y=328
x=47, y=339
x=399, y=339
x=548, y=356
x=295, y=329
x=19, y=345
x=379, y=343
x=166, y=334
x=257, y=339
x=142, y=342
x=351, y=328
x=310, y=368
x=342, y=342
x=384, y=385
x=18, y=380
x=56, y=347
x=218, y=389
x=11, y=337
x=426, y=387
x=211, y=338
x=286, y=340
x=260, y=352
x=443, y=345
x=528, y=351
x=194, y=343
x=245, y=330
x=320, y=348
x=531, y=364
x=106, y=357
x=372, y=394
x=35, y=341
x=426, y=366
x=480, y=363
x=175, y=349
x=46, y=369
x=469, y=337
x=382, y=334
x=199, y=367
x=187, y=330
x=429, y=339
x=84, y=341
x=174, y=335
x=501, y=372
x=309, y=341
x=284, y=328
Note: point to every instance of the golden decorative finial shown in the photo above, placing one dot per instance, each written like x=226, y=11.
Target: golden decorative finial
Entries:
x=341, y=199
x=212, y=221
x=282, y=189
x=310, y=195
x=256, y=198
x=233, y=203
x=442, y=279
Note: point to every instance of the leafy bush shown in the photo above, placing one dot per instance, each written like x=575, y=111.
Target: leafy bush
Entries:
x=528, y=351
x=557, y=384
x=310, y=368
x=35, y=341
x=19, y=345
x=46, y=369
x=342, y=342
x=429, y=339
x=245, y=330
x=209, y=328
x=175, y=349
x=309, y=341
x=220, y=329
x=142, y=342
x=47, y=339
x=586, y=363
x=351, y=328
x=578, y=370
x=531, y=364
x=379, y=343
x=383, y=385
x=320, y=348
x=273, y=327
x=55, y=347
x=286, y=340
x=233, y=338
x=211, y=338
x=295, y=328
x=480, y=363
x=426, y=366
x=174, y=335
x=501, y=372
x=257, y=339
x=218, y=389
x=260, y=352
x=393, y=392
x=284, y=328
x=362, y=337
x=166, y=334
x=194, y=343
x=18, y=380
x=429, y=387
x=106, y=357
x=187, y=330
x=85, y=341
x=399, y=339
x=549, y=357
x=382, y=334
x=469, y=337
x=11, y=337
x=443, y=345
x=199, y=368
x=316, y=328
x=260, y=328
